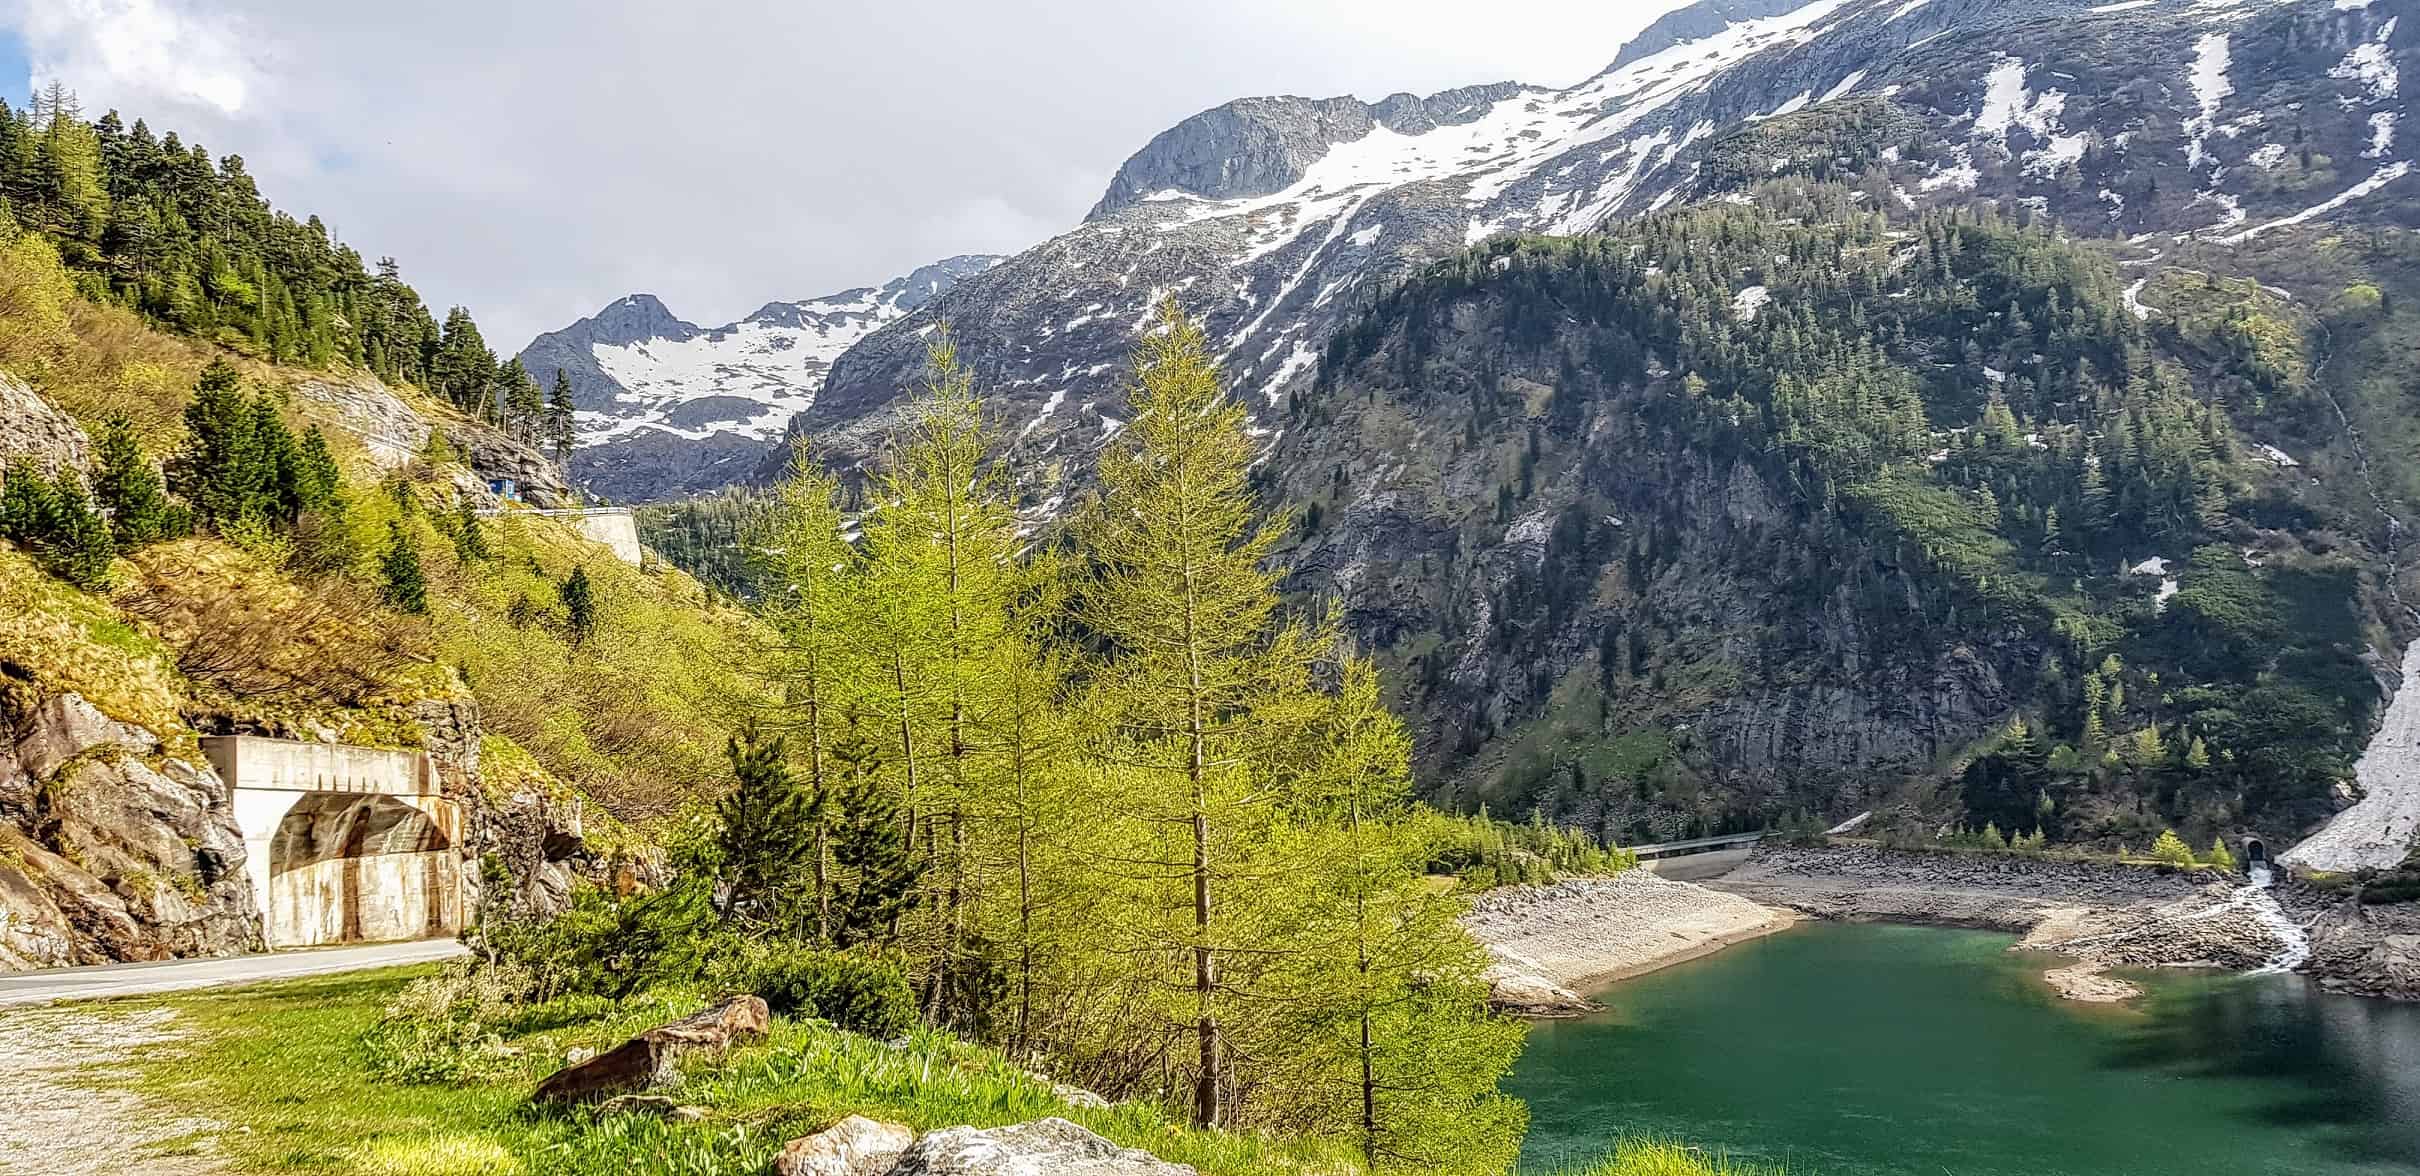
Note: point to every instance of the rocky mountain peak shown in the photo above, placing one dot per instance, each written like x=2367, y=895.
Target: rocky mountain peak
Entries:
x=1696, y=21
x=1260, y=146
x=667, y=407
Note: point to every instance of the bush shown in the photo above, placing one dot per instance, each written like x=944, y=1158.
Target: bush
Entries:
x=606, y=946
x=440, y=1028
x=851, y=991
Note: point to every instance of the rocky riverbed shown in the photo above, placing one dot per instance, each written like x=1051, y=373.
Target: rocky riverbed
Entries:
x=1551, y=943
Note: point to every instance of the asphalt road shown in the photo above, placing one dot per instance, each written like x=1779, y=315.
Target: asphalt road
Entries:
x=57, y=984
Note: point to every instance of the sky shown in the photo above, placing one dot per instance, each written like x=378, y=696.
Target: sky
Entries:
x=536, y=159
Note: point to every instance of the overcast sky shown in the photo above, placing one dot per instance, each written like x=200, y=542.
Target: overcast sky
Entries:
x=536, y=159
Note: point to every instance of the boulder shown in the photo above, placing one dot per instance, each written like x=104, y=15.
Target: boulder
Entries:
x=1055, y=1146
x=651, y=1058
x=855, y=1146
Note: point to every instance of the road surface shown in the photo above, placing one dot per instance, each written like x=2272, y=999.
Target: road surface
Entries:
x=27, y=988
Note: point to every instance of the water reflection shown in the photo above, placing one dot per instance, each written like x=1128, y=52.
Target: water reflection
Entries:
x=1895, y=1051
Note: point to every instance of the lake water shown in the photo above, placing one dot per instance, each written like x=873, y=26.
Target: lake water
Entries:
x=1870, y=1049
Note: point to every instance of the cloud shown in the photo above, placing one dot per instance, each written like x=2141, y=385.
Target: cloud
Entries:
x=536, y=159
x=142, y=49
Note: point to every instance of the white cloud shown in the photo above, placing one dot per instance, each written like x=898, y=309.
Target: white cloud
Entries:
x=536, y=159
x=143, y=49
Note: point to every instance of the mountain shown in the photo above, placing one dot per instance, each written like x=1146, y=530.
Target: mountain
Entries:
x=669, y=408
x=1633, y=550
x=1273, y=217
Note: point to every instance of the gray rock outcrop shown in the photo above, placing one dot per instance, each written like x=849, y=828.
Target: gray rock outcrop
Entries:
x=110, y=851
x=32, y=430
x=1055, y=1146
x=855, y=1146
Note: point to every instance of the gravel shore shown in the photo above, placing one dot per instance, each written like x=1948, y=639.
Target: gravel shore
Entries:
x=1551, y=943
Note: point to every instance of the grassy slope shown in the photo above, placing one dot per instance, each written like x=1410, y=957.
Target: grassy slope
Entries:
x=634, y=718
x=278, y=1065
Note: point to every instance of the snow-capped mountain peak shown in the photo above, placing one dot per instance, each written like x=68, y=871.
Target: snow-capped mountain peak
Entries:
x=663, y=404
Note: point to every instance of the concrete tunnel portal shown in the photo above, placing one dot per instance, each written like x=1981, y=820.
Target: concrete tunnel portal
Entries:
x=343, y=844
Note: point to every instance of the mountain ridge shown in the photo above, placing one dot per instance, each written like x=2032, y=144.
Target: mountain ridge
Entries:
x=667, y=407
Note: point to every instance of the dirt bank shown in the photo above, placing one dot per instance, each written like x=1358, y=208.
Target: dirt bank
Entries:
x=1552, y=942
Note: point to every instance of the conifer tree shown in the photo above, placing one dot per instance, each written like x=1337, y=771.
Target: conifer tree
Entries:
x=28, y=503
x=2171, y=849
x=579, y=606
x=524, y=404
x=129, y=487
x=768, y=832
x=2220, y=856
x=877, y=859
x=470, y=537
x=318, y=482
x=560, y=431
x=1186, y=611
x=942, y=565
x=222, y=470
x=810, y=575
x=404, y=584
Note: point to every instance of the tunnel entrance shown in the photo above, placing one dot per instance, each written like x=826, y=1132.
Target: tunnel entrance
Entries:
x=353, y=868
x=2255, y=854
x=343, y=844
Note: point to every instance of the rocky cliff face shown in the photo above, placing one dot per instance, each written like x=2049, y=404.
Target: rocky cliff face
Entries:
x=112, y=847
x=668, y=408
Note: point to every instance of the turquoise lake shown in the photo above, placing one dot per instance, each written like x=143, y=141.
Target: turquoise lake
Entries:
x=1871, y=1049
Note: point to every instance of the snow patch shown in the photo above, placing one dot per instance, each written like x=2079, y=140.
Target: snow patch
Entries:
x=2382, y=134
x=2211, y=89
x=2369, y=65
x=2379, y=179
x=1846, y=85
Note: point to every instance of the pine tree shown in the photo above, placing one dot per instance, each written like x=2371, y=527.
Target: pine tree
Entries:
x=318, y=482
x=768, y=833
x=2171, y=849
x=524, y=403
x=877, y=859
x=2220, y=857
x=130, y=488
x=404, y=586
x=560, y=431
x=222, y=470
x=470, y=537
x=28, y=504
x=579, y=606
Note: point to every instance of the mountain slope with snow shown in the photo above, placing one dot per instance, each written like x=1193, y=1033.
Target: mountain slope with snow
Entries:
x=666, y=407
x=1269, y=217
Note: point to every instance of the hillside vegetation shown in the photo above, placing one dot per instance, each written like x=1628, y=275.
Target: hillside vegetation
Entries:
x=1748, y=502
x=252, y=588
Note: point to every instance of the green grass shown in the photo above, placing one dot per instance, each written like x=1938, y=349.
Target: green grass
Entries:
x=280, y=1067
x=1650, y=1157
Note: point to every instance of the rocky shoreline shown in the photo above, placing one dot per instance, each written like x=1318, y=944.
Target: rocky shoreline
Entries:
x=2101, y=915
x=1553, y=943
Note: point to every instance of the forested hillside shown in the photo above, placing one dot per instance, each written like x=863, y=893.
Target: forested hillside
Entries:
x=1792, y=503
x=153, y=224
x=195, y=540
